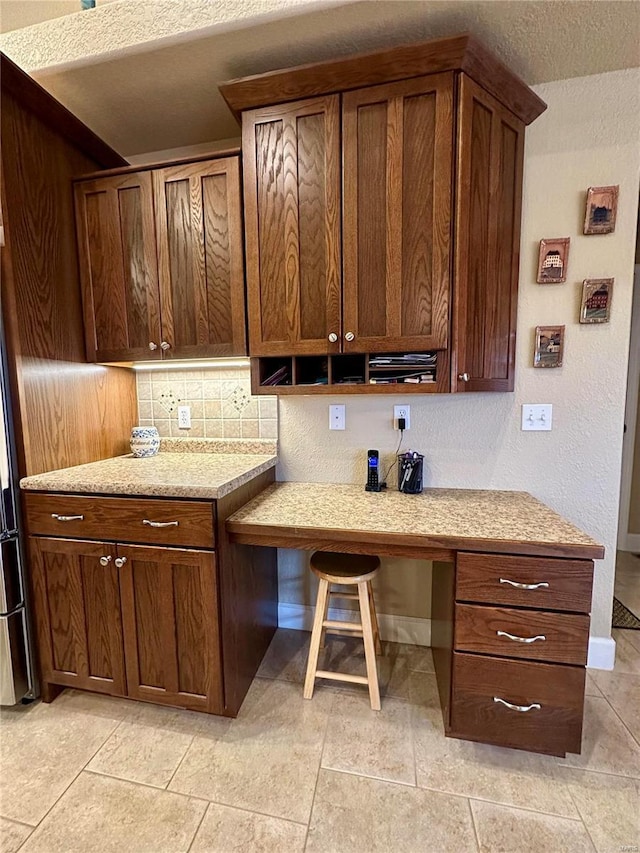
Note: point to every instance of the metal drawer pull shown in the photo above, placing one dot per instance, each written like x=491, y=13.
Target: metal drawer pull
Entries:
x=160, y=523
x=67, y=517
x=520, y=639
x=522, y=708
x=524, y=585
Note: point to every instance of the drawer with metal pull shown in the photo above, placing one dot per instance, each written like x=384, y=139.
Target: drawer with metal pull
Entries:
x=530, y=634
x=543, y=583
x=145, y=520
x=520, y=704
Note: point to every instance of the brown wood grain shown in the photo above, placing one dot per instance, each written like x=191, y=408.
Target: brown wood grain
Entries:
x=566, y=635
x=556, y=728
x=291, y=158
x=487, y=241
x=77, y=604
x=397, y=151
x=216, y=154
x=67, y=126
x=66, y=412
x=171, y=633
x=248, y=580
x=200, y=258
x=442, y=622
x=570, y=581
x=396, y=63
x=121, y=519
x=118, y=267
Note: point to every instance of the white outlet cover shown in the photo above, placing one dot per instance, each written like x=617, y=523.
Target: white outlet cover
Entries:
x=537, y=417
x=402, y=411
x=184, y=417
x=337, y=416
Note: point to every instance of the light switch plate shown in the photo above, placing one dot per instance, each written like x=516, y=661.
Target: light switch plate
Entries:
x=337, y=416
x=537, y=416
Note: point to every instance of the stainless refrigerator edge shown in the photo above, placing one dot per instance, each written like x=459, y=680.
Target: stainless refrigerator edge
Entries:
x=16, y=663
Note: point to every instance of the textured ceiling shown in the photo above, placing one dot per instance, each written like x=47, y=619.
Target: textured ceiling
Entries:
x=145, y=97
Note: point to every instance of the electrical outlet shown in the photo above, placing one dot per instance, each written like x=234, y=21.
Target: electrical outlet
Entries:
x=184, y=417
x=337, y=416
x=537, y=417
x=403, y=411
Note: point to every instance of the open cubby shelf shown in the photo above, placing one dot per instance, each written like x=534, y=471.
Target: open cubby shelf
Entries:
x=351, y=373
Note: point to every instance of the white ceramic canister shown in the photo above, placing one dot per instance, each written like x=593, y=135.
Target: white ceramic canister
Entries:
x=145, y=441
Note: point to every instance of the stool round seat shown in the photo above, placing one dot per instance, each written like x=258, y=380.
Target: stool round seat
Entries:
x=351, y=570
x=344, y=568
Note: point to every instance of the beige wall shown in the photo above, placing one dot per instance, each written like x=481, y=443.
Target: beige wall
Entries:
x=634, y=498
x=588, y=136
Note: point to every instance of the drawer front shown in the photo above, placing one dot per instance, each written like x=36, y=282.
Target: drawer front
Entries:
x=529, y=634
x=540, y=582
x=144, y=520
x=553, y=725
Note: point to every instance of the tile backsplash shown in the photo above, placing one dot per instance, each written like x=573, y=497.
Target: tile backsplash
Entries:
x=220, y=400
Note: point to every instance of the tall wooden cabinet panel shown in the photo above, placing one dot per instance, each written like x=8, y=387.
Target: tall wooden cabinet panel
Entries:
x=397, y=160
x=291, y=161
x=200, y=261
x=170, y=615
x=76, y=591
x=117, y=252
x=487, y=242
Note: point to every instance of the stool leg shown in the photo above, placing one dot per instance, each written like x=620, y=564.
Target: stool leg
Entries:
x=316, y=634
x=374, y=619
x=323, y=631
x=369, y=647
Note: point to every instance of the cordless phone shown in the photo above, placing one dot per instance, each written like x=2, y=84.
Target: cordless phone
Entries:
x=373, y=483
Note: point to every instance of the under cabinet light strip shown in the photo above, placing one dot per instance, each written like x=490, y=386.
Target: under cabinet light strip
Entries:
x=197, y=364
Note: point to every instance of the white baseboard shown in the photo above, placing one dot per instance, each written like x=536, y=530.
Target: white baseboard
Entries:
x=602, y=653
x=630, y=542
x=395, y=629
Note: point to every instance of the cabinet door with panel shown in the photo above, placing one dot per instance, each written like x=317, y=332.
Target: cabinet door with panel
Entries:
x=291, y=161
x=118, y=267
x=77, y=598
x=398, y=152
x=170, y=615
x=487, y=245
x=200, y=260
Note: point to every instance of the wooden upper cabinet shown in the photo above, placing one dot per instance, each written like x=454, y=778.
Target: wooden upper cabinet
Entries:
x=397, y=154
x=200, y=261
x=487, y=241
x=78, y=603
x=291, y=161
x=118, y=268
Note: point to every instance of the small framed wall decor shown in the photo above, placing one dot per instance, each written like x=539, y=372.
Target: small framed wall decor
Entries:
x=553, y=258
x=602, y=207
x=596, y=300
x=549, y=346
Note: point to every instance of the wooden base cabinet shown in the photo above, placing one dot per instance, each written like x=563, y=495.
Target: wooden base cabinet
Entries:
x=184, y=622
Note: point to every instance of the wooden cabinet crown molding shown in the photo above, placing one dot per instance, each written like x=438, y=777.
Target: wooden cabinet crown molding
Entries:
x=458, y=53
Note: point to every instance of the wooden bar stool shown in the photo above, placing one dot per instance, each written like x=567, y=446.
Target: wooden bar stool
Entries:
x=345, y=569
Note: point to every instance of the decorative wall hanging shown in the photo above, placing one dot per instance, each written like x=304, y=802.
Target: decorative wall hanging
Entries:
x=552, y=261
x=602, y=206
x=596, y=300
x=549, y=346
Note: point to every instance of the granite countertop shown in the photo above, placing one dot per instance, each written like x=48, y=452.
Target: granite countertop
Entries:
x=184, y=468
x=451, y=518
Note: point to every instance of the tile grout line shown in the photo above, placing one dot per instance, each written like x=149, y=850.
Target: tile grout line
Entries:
x=473, y=824
x=625, y=726
x=179, y=765
x=200, y=822
x=315, y=787
x=586, y=828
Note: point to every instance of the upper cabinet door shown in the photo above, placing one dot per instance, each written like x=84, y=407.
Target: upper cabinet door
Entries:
x=489, y=191
x=200, y=263
x=291, y=160
x=397, y=150
x=117, y=252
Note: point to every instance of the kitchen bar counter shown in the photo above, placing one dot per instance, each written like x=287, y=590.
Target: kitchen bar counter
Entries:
x=450, y=519
x=184, y=468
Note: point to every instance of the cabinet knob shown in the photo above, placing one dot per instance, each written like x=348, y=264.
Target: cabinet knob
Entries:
x=104, y=561
x=349, y=336
x=120, y=561
x=464, y=377
x=152, y=346
x=333, y=337
x=165, y=345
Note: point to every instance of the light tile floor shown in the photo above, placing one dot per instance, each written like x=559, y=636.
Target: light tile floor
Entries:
x=627, y=582
x=91, y=773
